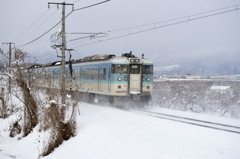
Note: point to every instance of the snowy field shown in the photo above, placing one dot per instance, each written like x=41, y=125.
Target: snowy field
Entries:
x=104, y=132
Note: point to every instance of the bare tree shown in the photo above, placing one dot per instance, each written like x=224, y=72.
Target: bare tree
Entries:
x=3, y=94
x=53, y=117
x=4, y=107
x=197, y=96
x=30, y=109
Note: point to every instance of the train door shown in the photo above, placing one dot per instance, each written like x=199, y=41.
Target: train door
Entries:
x=101, y=77
x=135, y=75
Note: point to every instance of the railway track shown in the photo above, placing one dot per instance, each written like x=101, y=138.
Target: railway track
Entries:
x=191, y=121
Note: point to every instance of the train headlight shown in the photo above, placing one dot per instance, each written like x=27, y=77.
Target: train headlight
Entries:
x=119, y=78
x=135, y=60
x=148, y=79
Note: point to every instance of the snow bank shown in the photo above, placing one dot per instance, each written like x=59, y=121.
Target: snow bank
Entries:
x=107, y=133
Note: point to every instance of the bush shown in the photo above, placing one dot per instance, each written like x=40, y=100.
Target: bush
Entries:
x=54, y=122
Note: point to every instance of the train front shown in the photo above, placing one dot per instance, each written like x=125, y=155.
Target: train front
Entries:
x=133, y=79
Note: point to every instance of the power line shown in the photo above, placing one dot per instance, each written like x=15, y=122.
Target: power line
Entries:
x=91, y=5
x=45, y=32
x=178, y=18
x=44, y=45
x=176, y=22
x=37, y=27
x=76, y=1
x=32, y=25
x=61, y=21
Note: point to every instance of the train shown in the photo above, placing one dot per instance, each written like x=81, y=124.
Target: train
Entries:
x=100, y=78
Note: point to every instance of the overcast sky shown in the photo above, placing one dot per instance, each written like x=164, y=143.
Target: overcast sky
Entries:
x=21, y=23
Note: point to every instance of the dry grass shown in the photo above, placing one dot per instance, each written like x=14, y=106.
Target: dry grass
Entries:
x=30, y=111
x=54, y=120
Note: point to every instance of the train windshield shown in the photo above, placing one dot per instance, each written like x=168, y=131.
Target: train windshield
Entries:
x=147, y=69
x=118, y=68
x=134, y=69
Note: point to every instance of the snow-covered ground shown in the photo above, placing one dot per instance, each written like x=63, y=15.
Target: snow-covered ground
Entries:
x=108, y=133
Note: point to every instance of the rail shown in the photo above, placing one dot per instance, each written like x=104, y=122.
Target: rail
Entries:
x=191, y=121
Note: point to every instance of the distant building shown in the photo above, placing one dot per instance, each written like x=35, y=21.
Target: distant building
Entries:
x=193, y=77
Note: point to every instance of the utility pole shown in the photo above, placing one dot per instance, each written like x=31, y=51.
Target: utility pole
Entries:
x=10, y=65
x=63, y=92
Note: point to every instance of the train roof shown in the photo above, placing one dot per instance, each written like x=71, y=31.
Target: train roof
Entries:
x=111, y=58
x=103, y=58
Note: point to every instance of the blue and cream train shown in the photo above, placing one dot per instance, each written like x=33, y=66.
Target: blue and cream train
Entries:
x=98, y=78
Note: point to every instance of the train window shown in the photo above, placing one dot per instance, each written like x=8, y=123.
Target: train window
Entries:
x=74, y=74
x=67, y=74
x=134, y=69
x=121, y=69
x=38, y=74
x=77, y=74
x=83, y=72
x=43, y=74
x=104, y=73
x=92, y=74
x=55, y=74
x=88, y=73
x=147, y=69
x=100, y=74
x=95, y=74
x=47, y=76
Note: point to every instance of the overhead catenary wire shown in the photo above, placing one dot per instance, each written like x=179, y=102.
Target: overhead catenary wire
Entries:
x=234, y=7
x=155, y=25
x=92, y=35
x=174, y=21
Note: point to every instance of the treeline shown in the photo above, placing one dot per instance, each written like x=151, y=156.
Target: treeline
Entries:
x=198, y=96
